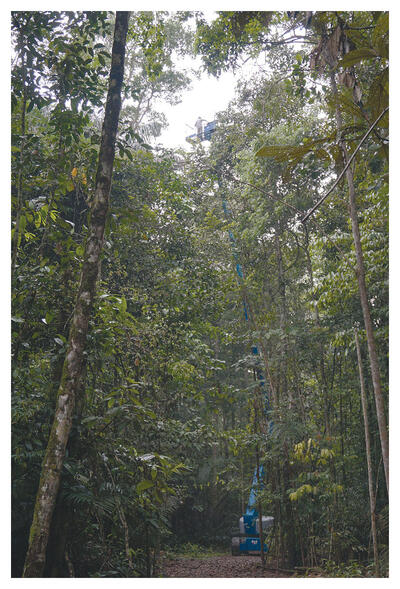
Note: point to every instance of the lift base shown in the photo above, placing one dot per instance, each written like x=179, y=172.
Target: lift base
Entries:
x=247, y=545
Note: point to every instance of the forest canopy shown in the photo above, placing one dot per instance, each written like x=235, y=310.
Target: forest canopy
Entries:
x=196, y=330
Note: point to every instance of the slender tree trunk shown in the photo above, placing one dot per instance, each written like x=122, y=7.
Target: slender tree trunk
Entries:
x=283, y=320
x=372, y=497
x=289, y=524
x=324, y=385
x=259, y=509
x=360, y=271
x=55, y=452
x=256, y=327
x=17, y=229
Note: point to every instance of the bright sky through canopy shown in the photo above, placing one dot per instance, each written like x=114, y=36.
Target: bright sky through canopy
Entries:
x=204, y=99
x=207, y=96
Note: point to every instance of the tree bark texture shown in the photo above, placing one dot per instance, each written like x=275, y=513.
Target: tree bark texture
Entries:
x=74, y=360
x=372, y=498
x=360, y=272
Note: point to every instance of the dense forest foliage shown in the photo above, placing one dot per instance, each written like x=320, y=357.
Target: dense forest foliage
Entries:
x=137, y=418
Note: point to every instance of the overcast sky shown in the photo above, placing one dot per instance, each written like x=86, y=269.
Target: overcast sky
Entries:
x=206, y=97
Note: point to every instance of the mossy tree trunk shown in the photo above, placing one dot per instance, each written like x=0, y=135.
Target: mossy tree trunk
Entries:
x=74, y=360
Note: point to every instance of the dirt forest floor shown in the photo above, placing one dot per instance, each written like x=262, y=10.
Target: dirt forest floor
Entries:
x=219, y=566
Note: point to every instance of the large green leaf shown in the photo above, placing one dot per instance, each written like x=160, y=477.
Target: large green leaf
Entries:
x=293, y=154
x=143, y=485
x=356, y=56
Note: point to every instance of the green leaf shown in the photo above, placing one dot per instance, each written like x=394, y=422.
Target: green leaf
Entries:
x=282, y=152
x=143, y=485
x=91, y=420
x=38, y=220
x=22, y=226
x=49, y=317
x=356, y=56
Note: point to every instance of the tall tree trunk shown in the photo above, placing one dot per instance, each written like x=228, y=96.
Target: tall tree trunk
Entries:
x=288, y=518
x=17, y=229
x=372, y=497
x=74, y=360
x=283, y=320
x=360, y=271
x=324, y=384
x=259, y=509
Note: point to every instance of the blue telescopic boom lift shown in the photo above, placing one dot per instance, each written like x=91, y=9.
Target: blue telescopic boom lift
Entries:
x=248, y=540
